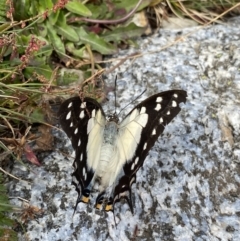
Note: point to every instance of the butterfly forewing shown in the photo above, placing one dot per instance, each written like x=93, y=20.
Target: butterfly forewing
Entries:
x=139, y=131
x=83, y=121
x=160, y=109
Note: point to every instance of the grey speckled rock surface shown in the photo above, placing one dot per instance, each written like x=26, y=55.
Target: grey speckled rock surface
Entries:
x=189, y=186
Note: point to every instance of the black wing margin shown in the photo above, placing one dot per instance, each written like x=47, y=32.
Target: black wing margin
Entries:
x=74, y=116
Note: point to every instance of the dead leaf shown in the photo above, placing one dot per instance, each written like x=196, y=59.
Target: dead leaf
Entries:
x=30, y=155
x=45, y=141
x=30, y=212
x=225, y=128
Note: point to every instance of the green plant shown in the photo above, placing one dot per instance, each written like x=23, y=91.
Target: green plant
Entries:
x=6, y=223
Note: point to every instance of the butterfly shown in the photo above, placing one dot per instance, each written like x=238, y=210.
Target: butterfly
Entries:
x=110, y=153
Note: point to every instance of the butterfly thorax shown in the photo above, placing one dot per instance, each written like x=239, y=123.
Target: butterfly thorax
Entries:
x=113, y=118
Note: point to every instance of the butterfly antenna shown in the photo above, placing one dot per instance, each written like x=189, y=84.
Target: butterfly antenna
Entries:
x=132, y=101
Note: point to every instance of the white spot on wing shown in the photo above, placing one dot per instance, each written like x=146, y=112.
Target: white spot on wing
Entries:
x=154, y=132
x=82, y=114
x=132, y=180
x=68, y=115
x=71, y=125
x=145, y=146
x=76, y=131
x=81, y=157
x=161, y=120
x=136, y=161
x=174, y=103
x=168, y=113
x=175, y=95
x=70, y=104
x=79, y=142
x=83, y=105
x=143, y=110
x=84, y=171
x=158, y=107
x=159, y=99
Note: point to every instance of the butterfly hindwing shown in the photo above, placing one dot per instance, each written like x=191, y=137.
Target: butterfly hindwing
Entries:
x=83, y=121
x=139, y=131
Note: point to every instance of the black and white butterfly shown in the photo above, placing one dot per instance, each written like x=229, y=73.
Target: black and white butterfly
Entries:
x=110, y=153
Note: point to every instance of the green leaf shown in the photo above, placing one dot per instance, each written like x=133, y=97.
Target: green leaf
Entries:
x=46, y=50
x=3, y=9
x=74, y=51
x=65, y=30
x=123, y=32
x=46, y=4
x=98, y=44
x=5, y=221
x=21, y=9
x=41, y=30
x=34, y=7
x=37, y=116
x=43, y=70
x=68, y=33
x=4, y=27
x=70, y=76
x=54, y=17
x=5, y=207
x=99, y=11
x=55, y=39
x=22, y=42
x=78, y=8
x=129, y=5
x=4, y=202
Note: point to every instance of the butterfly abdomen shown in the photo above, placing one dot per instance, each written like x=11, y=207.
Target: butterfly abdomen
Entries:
x=108, y=162
x=105, y=157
